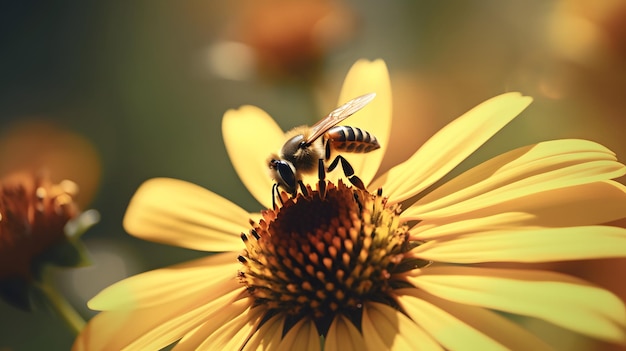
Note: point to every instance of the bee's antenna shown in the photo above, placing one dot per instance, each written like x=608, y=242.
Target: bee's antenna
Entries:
x=276, y=191
x=274, y=197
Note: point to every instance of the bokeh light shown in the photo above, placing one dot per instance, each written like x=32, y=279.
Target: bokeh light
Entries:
x=36, y=145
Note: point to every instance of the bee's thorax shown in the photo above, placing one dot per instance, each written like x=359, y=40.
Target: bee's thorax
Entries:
x=304, y=157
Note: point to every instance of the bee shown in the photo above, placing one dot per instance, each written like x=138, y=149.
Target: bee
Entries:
x=308, y=149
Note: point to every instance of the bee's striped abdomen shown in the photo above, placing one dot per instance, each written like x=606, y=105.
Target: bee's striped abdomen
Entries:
x=351, y=139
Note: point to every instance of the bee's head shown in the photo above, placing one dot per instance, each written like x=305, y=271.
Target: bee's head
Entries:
x=283, y=173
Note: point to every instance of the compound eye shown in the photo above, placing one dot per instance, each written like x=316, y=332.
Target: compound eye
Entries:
x=286, y=174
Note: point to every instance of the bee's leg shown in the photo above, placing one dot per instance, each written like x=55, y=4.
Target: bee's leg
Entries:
x=303, y=189
x=327, y=150
x=321, y=176
x=348, y=171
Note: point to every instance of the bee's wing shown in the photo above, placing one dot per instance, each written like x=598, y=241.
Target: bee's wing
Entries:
x=337, y=115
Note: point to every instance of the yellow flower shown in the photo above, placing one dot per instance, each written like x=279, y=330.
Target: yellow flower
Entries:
x=355, y=268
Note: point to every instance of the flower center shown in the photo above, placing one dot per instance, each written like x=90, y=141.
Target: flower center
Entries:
x=321, y=254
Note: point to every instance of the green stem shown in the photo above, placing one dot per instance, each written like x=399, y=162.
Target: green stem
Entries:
x=63, y=308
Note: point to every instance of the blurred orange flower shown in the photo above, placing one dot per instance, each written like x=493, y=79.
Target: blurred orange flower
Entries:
x=34, y=218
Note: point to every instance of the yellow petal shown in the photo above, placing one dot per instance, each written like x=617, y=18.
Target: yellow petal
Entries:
x=556, y=298
x=451, y=145
x=369, y=77
x=150, y=328
x=215, y=312
x=578, y=205
x=343, y=336
x=302, y=336
x=528, y=245
x=251, y=136
x=455, y=326
x=209, y=277
x=103, y=332
x=179, y=213
x=529, y=170
x=211, y=323
x=234, y=333
x=385, y=328
x=269, y=335
x=432, y=229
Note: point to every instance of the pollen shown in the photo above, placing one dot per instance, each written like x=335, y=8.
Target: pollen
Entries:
x=319, y=255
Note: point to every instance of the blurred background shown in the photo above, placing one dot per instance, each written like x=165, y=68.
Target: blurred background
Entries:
x=110, y=94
